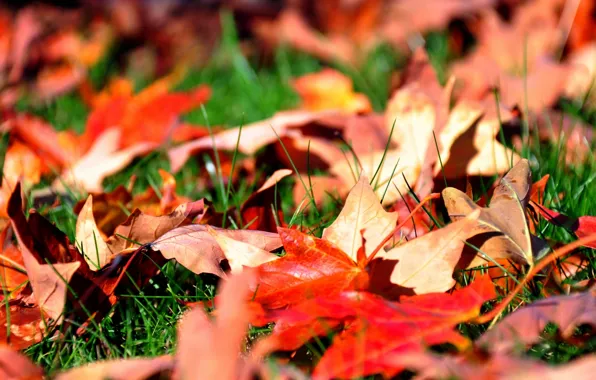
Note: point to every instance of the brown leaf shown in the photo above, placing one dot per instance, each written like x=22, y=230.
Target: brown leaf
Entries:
x=96, y=251
x=252, y=137
x=291, y=29
x=502, y=231
x=48, y=281
x=425, y=264
x=362, y=217
x=197, y=250
x=471, y=134
x=525, y=326
x=240, y=254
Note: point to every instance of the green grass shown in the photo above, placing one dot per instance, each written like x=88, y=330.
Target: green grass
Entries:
x=143, y=323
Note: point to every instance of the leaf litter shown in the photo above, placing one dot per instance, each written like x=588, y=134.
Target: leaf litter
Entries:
x=411, y=274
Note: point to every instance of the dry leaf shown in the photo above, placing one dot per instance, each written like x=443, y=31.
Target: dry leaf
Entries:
x=102, y=160
x=240, y=254
x=48, y=281
x=525, y=326
x=502, y=231
x=362, y=217
x=252, y=136
x=197, y=250
x=425, y=264
x=92, y=244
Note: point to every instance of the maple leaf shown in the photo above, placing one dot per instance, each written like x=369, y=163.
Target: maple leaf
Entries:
x=240, y=254
x=95, y=289
x=363, y=348
x=525, y=326
x=132, y=368
x=310, y=267
x=258, y=211
x=48, y=281
x=502, y=54
x=102, y=159
x=425, y=264
x=143, y=117
x=138, y=229
x=362, y=217
x=502, y=231
x=330, y=89
x=27, y=325
x=248, y=139
x=471, y=131
x=196, y=248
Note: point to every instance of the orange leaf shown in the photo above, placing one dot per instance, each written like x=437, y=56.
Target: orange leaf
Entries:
x=364, y=348
x=311, y=267
x=362, y=217
x=330, y=89
x=425, y=264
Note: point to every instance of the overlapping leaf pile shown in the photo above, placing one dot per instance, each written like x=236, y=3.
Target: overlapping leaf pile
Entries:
x=411, y=275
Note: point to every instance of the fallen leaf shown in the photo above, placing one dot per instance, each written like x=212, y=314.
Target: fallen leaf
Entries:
x=310, y=267
x=240, y=254
x=248, y=139
x=140, y=229
x=474, y=366
x=216, y=345
x=92, y=244
x=197, y=250
x=329, y=89
x=27, y=326
x=29, y=28
x=361, y=218
x=12, y=271
x=290, y=29
x=259, y=211
x=471, y=134
x=102, y=160
x=54, y=81
x=425, y=264
x=502, y=231
x=363, y=348
x=525, y=326
x=48, y=281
